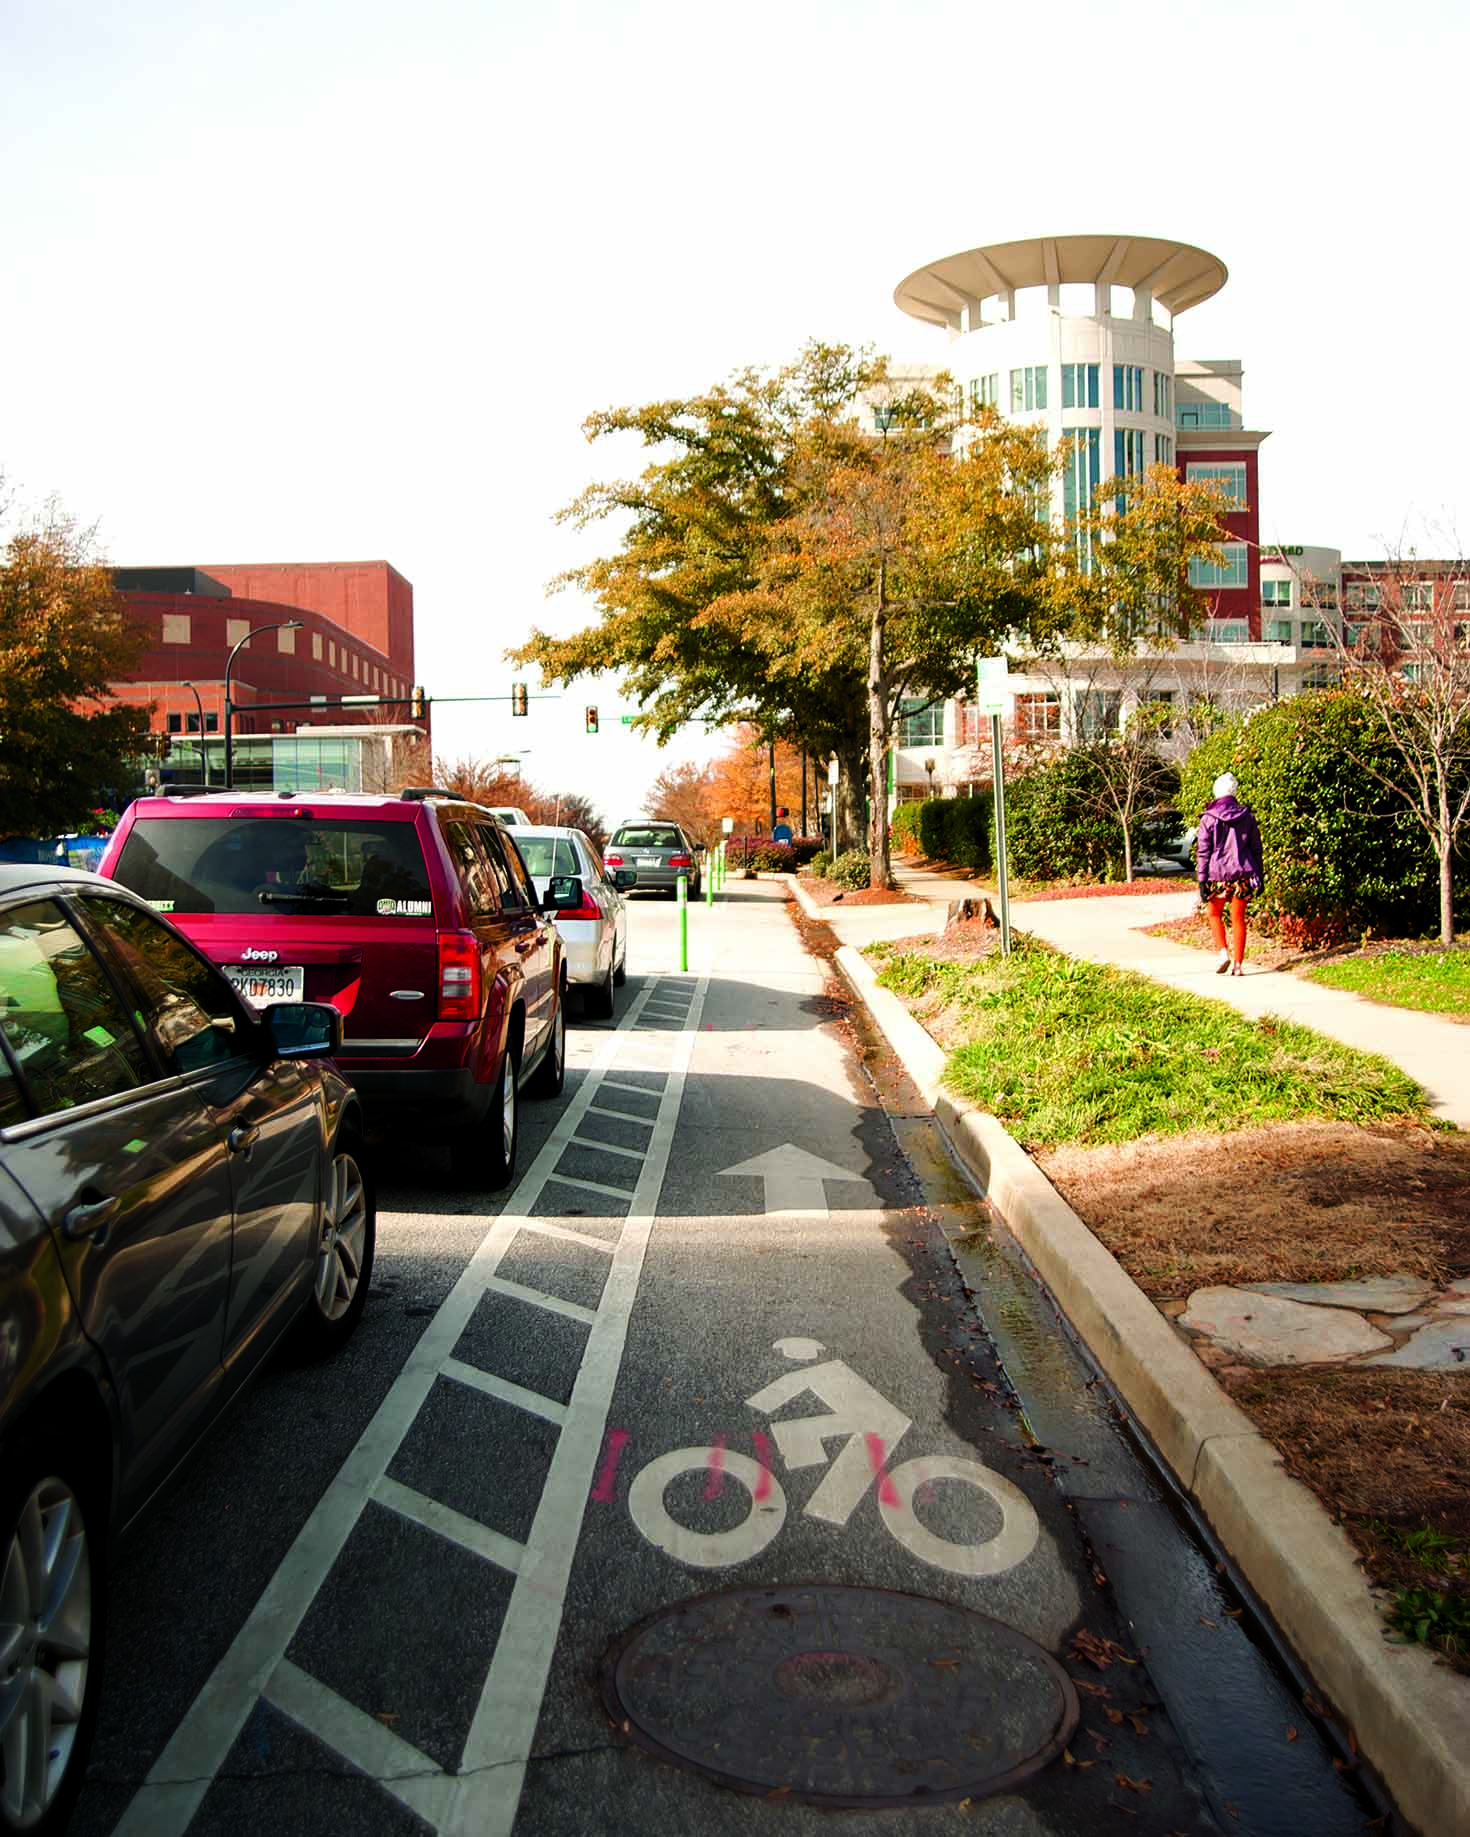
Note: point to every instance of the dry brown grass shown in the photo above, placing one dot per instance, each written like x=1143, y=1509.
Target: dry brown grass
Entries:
x=1296, y=1202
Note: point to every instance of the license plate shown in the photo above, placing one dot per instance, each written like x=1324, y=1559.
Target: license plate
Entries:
x=260, y=987
x=647, y=861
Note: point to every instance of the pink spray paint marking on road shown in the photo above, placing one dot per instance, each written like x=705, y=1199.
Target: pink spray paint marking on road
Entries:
x=607, y=1476
x=763, y=1455
x=715, y=1484
x=887, y=1491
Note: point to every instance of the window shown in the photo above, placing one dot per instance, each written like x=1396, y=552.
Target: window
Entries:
x=1278, y=631
x=883, y=419
x=1228, y=631
x=244, y=865
x=1230, y=478
x=191, y=723
x=1319, y=593
x=1028, y=388
x=1232, y=572
x=211, y=723
x=1163, y=395
x=1128, y=450
x=176, y=723
x=1128, y=388
x=1416, y=634
x=66, y=1029
x=316, y=646
x=1163, y=450
x=518, y=889
x=1098, y=713
x=286, y=642
x=985, y=391
x=235, y=630
x=1203, y=414
x=1038, y=717
x=548, y=855
x=182, y=995
x=1417, y=596
x=1460, y=596
x=474, y=866
x=920, y=722
x=331, y=653
x=1275, y=592
x=1079, y=385
x=1315, y=636
x=1320, y=676
x=176, y=627
x=1362, y=596
x=1081, y=474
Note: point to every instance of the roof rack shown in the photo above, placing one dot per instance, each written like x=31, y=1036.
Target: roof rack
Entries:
x=415, y=794
x=185, y=790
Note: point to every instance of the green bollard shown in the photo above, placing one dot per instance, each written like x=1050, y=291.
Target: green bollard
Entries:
x=709, y=883
x=683, y=890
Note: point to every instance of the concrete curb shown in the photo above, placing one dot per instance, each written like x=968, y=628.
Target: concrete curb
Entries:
x=1408, y=1714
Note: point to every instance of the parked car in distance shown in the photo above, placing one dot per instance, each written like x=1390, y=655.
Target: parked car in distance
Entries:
x=181, y=1185
x=412, y=915
x=659, y=851
x=510, y=814
x=594, y=935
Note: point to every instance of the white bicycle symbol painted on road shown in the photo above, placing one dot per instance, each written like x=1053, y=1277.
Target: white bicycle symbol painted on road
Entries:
x=871, y=1427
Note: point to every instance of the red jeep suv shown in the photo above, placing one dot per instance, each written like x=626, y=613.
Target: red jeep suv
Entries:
x=413, y=916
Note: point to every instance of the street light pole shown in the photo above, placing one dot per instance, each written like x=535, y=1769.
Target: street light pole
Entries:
x=254, y=632
x=203, y=756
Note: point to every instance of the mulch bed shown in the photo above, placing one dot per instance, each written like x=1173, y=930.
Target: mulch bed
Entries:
x=1113, y=889
x=823, y=893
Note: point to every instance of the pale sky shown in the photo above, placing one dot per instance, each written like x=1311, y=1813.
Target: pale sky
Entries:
x=331, y=280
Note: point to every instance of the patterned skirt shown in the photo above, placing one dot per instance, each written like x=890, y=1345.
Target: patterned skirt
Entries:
x=1238, y=888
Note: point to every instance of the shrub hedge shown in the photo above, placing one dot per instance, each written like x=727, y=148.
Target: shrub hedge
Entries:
x=905, y=829
x=1054, y=829
x=851, y=870
x=1344, y=854
x=954, y=829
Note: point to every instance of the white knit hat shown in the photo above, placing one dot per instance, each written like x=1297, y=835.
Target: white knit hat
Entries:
x=1225, y=785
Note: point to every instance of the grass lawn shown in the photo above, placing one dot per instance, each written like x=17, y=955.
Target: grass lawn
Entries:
x=1436, y=981
x=1063, y=1051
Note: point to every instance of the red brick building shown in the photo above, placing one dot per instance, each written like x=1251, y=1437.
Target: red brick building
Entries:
x=356, y=639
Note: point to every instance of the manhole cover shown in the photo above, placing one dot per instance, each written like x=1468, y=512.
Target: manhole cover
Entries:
x=845, y=1697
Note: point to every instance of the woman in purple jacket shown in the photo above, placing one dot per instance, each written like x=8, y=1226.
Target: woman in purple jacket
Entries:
x=1229, y=866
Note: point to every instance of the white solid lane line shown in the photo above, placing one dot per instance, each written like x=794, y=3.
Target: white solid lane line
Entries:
x=493, y=1765
x=504, y=1391
x=181, y=1776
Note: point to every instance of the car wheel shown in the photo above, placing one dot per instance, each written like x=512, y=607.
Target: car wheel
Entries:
x=485, y=1154
x=551, y=1073
x=600, y=1000
x=344, y=1253
x=52, y=1572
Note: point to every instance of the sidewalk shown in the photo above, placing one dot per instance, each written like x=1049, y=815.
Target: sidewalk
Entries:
x=1109, y=929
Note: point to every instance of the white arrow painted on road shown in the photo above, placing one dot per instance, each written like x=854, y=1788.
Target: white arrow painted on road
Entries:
x=793, y=1178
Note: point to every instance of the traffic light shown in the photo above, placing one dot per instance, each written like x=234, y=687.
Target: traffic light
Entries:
x=592, y=720
x=416, y=703
x=519, y=699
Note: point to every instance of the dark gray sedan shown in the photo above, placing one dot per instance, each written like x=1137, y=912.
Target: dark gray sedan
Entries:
x=181, y=1184
x=658, y=852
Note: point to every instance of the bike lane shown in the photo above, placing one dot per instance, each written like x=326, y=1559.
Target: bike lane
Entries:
x=784, y=1417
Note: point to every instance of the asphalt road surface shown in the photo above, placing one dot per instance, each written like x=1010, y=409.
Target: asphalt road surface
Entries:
x=711, y=1353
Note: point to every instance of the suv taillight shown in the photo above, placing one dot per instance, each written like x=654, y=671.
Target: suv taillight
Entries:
x=612, y=860
x=459, y=976
x=681, y=861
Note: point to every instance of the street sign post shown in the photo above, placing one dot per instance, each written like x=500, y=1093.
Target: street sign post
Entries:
x=990, y=698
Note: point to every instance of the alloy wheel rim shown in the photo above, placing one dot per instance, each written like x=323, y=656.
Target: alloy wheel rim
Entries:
x=45, y=1649
x=344, y=1235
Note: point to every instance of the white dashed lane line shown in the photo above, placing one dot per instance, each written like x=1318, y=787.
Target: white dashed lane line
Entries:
x=479, y=1800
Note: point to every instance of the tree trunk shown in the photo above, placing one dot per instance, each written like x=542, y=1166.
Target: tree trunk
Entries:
x=1127, y=851
x=1446, y=843
x=847, y=819
x=880, y=875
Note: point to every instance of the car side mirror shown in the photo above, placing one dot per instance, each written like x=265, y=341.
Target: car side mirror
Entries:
x=625, y=877
x=563, y=893
x=303, y=1029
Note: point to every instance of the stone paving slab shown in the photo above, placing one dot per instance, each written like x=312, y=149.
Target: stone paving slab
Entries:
x=1267, y=1330
x=1370, y=1295
x=1442, y=1346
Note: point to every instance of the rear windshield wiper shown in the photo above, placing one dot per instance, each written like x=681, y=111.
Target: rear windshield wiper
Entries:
x=302, y=896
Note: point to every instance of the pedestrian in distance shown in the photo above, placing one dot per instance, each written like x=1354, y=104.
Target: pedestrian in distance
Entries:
x=1230, y=868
